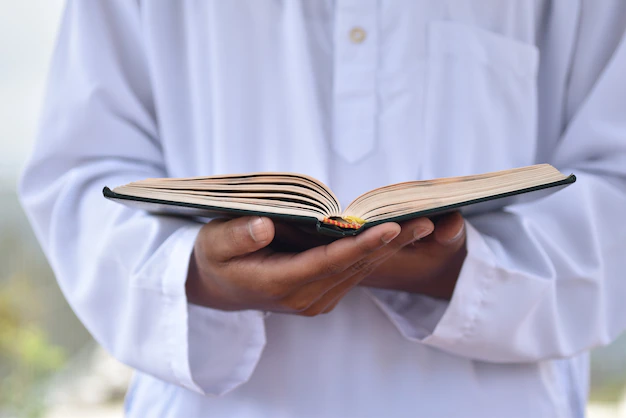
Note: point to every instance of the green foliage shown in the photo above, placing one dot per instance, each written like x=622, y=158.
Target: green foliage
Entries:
x=27, y=358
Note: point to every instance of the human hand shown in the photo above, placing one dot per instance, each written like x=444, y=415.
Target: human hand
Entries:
x=429, y=266
x=232, y=267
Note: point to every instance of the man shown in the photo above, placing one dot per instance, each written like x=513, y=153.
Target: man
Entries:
x=488, y=316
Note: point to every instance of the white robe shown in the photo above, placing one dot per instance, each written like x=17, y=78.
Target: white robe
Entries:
x=423, y=89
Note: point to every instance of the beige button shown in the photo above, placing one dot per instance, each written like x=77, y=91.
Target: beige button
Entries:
x=357, y=35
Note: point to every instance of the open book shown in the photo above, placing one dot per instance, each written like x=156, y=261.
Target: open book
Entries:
x=297, y=197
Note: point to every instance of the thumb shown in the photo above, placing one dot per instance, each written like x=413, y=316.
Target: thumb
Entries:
x=227, y=239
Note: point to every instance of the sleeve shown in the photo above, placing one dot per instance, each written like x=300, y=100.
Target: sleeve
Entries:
x=546, y=279
x=123, y=271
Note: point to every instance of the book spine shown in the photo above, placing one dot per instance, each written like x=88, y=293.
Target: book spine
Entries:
x=333, y=230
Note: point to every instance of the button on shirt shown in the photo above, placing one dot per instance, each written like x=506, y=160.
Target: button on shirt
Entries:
x=357, y=35
x=359, y=94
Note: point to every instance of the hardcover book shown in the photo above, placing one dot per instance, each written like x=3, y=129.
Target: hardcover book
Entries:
x=300, y=198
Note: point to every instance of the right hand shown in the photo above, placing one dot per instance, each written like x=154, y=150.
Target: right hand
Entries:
x=232, y=267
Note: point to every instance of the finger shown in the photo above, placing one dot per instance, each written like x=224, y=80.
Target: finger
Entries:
x=447, y=238
x=325, y=290
x=450, y=231
x=303, y=278
x=412, y=231
x=420, y=228
x=314, y=296
x=335, y=258
x=333, y=296
x=223, y=240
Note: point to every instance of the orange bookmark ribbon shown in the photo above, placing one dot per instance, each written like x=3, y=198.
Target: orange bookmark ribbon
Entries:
x=347, y=222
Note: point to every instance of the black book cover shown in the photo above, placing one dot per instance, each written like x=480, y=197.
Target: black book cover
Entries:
x=467, y=207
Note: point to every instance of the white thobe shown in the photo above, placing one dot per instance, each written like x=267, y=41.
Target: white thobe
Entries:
x=359, y=94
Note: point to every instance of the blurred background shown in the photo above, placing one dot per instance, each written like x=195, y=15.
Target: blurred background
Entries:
x=49, y=365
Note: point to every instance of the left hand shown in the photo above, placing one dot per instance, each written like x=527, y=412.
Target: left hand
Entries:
x=430, y=265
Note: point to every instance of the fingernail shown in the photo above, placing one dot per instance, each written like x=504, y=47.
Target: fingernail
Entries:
x=420, y=233
x=458, y=235
x=257, y=230
x=389, y=236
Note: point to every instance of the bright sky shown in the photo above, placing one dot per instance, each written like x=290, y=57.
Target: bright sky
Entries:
x=27, y=35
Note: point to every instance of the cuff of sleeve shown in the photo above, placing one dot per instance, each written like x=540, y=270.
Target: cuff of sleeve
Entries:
x=414, y=315
x=437, y=322
x=487, y=318
x=224, y=347
x=210, y=351
x=468, y=300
